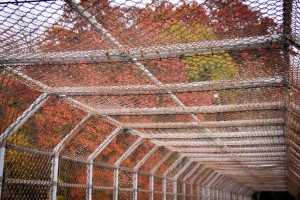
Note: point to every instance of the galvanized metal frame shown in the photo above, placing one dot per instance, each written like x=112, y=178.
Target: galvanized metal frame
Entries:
x=175, y=178
x=87, y=16
x=56, y=151
x=189, y=110
x=13, y=128
x=93, y=155
x=23, y=117
x=138, y=54
x=84, y=107
x=175, y=87
x=101, y=29
x=136, y=169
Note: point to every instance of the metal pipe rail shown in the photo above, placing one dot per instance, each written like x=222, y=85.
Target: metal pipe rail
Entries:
x=140, y=53
x=276, y=81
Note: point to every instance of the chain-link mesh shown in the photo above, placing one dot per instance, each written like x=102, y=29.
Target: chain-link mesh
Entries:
x=149, y=99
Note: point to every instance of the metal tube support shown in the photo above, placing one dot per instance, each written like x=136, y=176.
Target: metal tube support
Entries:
x=2, y=156
x=137, y=167
x=54, y=177
x=89, y=181
x=116, y=184
x=135, y=185
x=177, y=87
x=156, y=167
x=173, y=166
x=184, y=190
x=104, y=144
x=129, y=151
x=177, y=176
x=192, y=109
x=151, y=187
x=173, y=50
x=23, y=117
x=72, y=134
x=198, y=174
x=164, y=188
x=56, y=151
x=146, y=157
x=93, y=155
x=175, y=190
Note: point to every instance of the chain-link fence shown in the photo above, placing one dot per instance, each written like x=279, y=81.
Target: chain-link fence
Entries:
x=124, y=99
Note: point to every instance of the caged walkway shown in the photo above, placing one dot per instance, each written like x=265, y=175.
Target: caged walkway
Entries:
x=126, y=99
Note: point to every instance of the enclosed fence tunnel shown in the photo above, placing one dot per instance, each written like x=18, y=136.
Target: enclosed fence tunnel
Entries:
x=124, y=99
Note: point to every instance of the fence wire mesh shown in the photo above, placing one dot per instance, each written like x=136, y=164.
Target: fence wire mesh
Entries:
x=121, y=99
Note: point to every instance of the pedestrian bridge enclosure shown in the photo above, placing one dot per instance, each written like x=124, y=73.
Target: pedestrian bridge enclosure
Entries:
x=149, y=99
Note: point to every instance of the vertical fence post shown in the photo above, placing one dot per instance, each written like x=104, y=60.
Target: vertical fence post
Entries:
x=116, y=184
x=54, y=178
x=177, y=175
x=166, y=174
x=135, y=185
x=120, y=160
x=136, y=169
x=184, y=190
x=151, y=187
x=164, y=188
x=2, y=155
x=156, y=167
x=89, y=181
x=56, y=151
x=93, y=155
x=175, y=190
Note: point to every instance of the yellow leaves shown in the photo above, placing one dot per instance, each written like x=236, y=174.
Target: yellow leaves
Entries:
x=19, y=139
x=190, y=33
x=204, y=67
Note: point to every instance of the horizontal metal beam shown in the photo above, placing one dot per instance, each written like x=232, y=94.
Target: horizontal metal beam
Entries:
x=211, y=124
x=193, y=135
x=248, y=163
x=16, y=2
x=239, y=155
x=196, y=149
x=245, y=141
x=240, y=159
x=165, y=88
x=193, y=109
x=141, y=53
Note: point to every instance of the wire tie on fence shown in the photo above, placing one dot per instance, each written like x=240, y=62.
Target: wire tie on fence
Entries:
x=107, y=56
x=142, y=54
x=160, y=58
